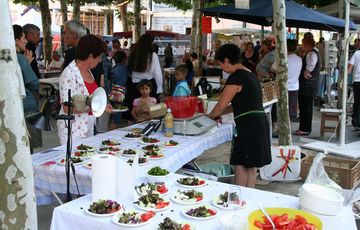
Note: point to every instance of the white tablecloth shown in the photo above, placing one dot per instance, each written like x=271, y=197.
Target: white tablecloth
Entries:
x=72, y=215
x=51, y=178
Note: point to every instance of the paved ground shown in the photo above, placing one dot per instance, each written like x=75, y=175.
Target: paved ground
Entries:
x=219, y=154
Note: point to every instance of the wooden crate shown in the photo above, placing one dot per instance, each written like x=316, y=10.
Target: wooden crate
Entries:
x=344, y=172
x=270, y=90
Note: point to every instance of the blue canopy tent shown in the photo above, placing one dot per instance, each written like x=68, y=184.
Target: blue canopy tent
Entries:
x=261, y=13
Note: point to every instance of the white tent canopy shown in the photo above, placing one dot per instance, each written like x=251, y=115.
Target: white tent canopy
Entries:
x=34, y=17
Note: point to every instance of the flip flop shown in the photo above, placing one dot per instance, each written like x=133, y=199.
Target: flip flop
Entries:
x=301, y=133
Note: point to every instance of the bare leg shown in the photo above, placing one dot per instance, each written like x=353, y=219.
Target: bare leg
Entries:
x=241, y=175
x=251, y=178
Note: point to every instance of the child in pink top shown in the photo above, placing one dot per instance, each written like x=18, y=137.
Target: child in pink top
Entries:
x=140, y=111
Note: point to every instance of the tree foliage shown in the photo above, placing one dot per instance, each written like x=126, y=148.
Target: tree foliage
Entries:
x=185, y=5
x=315, y=3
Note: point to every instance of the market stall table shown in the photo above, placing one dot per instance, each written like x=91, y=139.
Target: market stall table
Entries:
x=48, y=73
x=50, y=176
x=72, y=215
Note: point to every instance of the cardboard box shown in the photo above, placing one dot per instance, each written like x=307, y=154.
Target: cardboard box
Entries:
x=158, y=110
x=344, y=172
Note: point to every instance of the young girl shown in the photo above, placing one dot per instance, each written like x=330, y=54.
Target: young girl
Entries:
x=141, y=105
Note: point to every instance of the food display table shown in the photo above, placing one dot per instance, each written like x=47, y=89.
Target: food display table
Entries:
x=48, y=73
x=72, y=215
x=50, y=176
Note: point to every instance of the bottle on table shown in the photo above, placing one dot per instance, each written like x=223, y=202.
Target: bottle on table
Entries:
x=169, y=124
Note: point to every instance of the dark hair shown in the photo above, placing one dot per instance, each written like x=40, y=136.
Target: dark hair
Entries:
x=291, y=45
x=267, y=42
x=125, y=43
x=18, y=31
x=30, y=28
x=141, y=56
x=143, y=83
x=115, y=41
x=257, y=42
x=119, y=57
x=309, y=40
x=308, y=34
x=189, y=65
x=182, y=69
x=155, y=48
x=194, y=55
x=229, y=51
x=90, y=44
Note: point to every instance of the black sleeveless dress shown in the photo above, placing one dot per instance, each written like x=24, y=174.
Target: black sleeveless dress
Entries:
x=251, y=143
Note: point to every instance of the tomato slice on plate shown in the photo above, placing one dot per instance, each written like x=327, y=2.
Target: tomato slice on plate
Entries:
x=162, y=189
x=147, y=216
x=202, y=182
x=211, y=212
x=186, y=227
x=198, y=198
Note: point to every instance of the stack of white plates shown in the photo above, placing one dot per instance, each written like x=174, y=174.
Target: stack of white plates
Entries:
x=320, y=199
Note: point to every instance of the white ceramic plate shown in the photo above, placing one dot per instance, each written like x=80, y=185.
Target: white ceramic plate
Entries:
x=173, y=197
x=116, y=143
x=192, y=186
x=170, y=146
x=116, y=217
x=154, y=209
x=130, y=155
x=75, y=164
x=88, y=165
x=185, y=210
x=161, y=194
x=215, y=200
x=100, y=215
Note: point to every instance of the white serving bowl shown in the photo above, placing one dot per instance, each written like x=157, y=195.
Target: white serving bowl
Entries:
x=154, y=179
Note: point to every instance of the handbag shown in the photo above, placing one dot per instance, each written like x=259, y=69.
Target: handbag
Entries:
x=117, y=93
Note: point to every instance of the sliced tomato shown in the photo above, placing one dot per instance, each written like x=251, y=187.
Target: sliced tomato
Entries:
x=62, y=161
x=111, y=154
x=198, y=198
x=258, y=224
x=155, y=141
x=89, y=165
x=77, y=154
x=155, y=156
x=166, y=203
x=186, y=227
x=160, y=204
x=211, y=212
x=202, y=182
x=147, y=216
x=162, y=189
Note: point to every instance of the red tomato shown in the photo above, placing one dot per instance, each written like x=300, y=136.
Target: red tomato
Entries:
x=160, y=204
x=162, y=189
x=62, y=161
x=111, y=154
x=211, y=212
x=110, y=144
x=77, y=154
x=186, y=227
x=147, y=216
x=258, y=224
x=89, y=165
x=155, y=156
x=155, y=141
x=202, y=182
x=198, y=198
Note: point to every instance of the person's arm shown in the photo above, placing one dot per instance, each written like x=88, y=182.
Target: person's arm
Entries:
x=311, y=60
x=157, y=73
x=226, y=96
x=133, y=113
x=350, y=66
x=30, y=79
x=352, y=62
x=102, y=83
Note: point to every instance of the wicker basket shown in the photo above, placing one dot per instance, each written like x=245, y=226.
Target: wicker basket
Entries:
x=344, y=172
x=270, y=90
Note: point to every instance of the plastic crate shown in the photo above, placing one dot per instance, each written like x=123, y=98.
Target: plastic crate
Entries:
x=182, y=106
x=345, y=173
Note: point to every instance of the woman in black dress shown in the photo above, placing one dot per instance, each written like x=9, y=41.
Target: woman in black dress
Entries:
x=251, y=141
x=250, y=58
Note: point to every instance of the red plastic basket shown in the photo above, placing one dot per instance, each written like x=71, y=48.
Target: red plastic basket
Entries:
x=182, y=106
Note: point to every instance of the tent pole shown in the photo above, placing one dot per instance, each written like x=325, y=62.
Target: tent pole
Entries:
x=346, y=56
x=297, y=34
x=262, y=33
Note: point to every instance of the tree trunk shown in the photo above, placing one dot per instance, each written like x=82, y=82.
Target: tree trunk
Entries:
x=46, y=24
x=137, y=21
x=199, y=38
x=64, y=9
x=76, y=10
x=124, y=17
x=282, y=72
x=193, y=27
x=17, y=195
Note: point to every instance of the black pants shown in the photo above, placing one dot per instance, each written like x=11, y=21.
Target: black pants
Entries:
x=356, y=105
x=306, y=105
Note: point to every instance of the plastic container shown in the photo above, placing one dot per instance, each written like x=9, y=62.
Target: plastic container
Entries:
x=169, y=124
x=182, y=106
x=224, y=172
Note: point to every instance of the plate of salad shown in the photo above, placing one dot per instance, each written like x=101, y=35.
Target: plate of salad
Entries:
x=200, y=212
x=154, y=155
x=147, y=188
x=75, y=160
x=171, y=143
x=141, y=161
x=191, y=182
x=109, y=149
x=84, y=154
x=188, y=197
x=103, y=208
x=83, y=147
x=132, y=136
x=129, y=152
x=151, y=147
x=152, y=202
x=222, y=202
x=133, y=218
x=149, y=140
x=110, y=143
x=173, y=225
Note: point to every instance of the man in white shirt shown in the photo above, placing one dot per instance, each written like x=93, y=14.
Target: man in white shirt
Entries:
x=355, y=63
x=57, y=61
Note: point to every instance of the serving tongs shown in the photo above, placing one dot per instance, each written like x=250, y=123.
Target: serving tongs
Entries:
x=267, y=215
